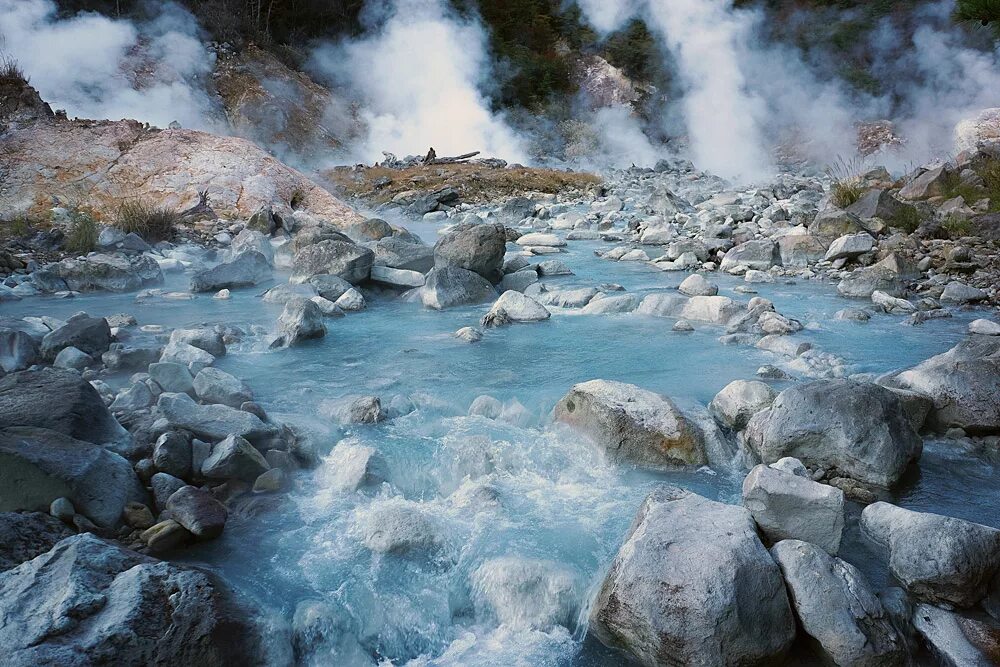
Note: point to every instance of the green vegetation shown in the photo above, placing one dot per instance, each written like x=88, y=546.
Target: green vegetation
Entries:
x=989, y=173
x=847, y=186
x=83, y=233
x=11, y=72
x=979, y=12
x=151, y=222
x=906, y=218
x=957, y=226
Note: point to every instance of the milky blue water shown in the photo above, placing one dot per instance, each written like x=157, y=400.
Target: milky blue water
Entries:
x=558, y=500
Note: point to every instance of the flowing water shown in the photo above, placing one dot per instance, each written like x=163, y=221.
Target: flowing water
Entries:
x=521, y=517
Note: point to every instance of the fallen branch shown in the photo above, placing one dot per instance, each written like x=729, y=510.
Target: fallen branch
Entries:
x=453, y=160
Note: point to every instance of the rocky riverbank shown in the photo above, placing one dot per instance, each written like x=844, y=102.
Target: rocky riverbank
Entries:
x=124, y=443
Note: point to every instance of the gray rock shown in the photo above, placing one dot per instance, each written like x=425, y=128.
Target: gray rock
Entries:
x=514, y=307
x=519, y=281
x=18, y=350
x=114, y=273
x=711, y=309
x=739, y=401
x=936, y=558
x=957, y=292
x=24, y=535
x=469, y=334
x=37, y=466
x=124, y=358
x=662, y=305
x=71, y=358
x=801, y=249
x=214, y=386
x=452, y=286
x=877, y=203
x=355, y=410
x=165, y=485
x=349, y=261
x=984, y=327
x=104, y=603
x=189, y=356
x=246, y=270
x=526, y=593
x=172, y=377
x=198, y=511
x=215, y=422
x=62, y=401
x=964, y=384
x=692, y=584
x=787, y=506
x=553, y=267
x=136, y=396
x=697, y=285
x=850, y=246
x=857, y=428
x=62, y=508
x=398, y=278
x=351, y=301
x=473, y=247
x=833, y=223
x=330, y=287
x=90, y=335
x=930, y=183
x=234, y=458
x=284, y=293
x=356, y=466
x=571, y=298
x=861, y=284
x=955, y=640
x=204, y=338
x=300, y=320
x=172, y=454
x=760, y=255
x=837, y=607
x=251, y=240
x=611, y=304
x=398, y=253
x=400, y=528
x=633, y=425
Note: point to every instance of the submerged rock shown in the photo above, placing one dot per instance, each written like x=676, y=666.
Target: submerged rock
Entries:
x=102, y=600
x=837, y=607
x=399, y=527
x=451, y=286
x=633, y=425
x=857, y=428
x=936, y=558
x=523, y=593
x=514, y=307
x=693, y=582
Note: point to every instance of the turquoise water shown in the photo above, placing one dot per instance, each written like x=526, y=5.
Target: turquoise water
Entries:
x=556, y=499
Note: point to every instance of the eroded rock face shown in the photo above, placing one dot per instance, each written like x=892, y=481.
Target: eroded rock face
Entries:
x=104, y=603
x=633, y=425
x=692, y=584
x=860, y=429
x=936, y=558
x=163, y=167
x=964, y=384
x=837, y=607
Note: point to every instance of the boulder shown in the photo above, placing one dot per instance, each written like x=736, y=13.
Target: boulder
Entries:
x=198, y=511
x=106, y=604
x=349, y=261
x=214, y=386
x=398, y=278
x=801, y=249
x=960, y=293
x=172, y=377
x=964, y=384
x=355, y=466
x=553, y=267
x=113, y=273
x=71, y=358
x=662, y=305
x=399, y=253
x=301, y=320
x=858, y=429
x=739, y=401
x=518, y=281
x=633, y=425
x=540, y=239
x=18, y=350
x=204, y=338
x=37, y=466
x=246, y=270
x=788, y=506
x=137, y=396
x=284, y=293
x=62, y=401
x=189, y=356
x=837, y=607
x=473, y=247
x=165, y=485
x=234, y=458
x=877, y=203
x=983, y=327
x=215, y=422
x=711, y=309
x=571, y=298
x=251, y=240
x=351, y=301
x=172, y=454
x=862, y=283
x=955, y=640
x=522, y=593
x=330, y=287
x=120, y=357
x=850, y=246
x=833, y=223
x=90, y=335
x=937, y=558
x=355, y=410
x=514, y=307
x=24, y=535
x=930, y=183
x=697, y=285
x=760, y=255
x=452, y=286
x=611, y=304
x=400, y=527
x=693, y=585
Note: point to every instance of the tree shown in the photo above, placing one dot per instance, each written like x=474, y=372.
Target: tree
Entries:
x=983, y=12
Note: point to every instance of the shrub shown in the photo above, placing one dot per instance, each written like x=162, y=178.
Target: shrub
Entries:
x=847, y=186
x=151, y=222
x=957, y=226
x=906, y=218
x=83, y=233
x=11, y=73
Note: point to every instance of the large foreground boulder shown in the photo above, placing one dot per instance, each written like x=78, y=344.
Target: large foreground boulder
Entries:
x=859, y=429
x=936, y=558
x=693, y=585
x=62, y=401
x=37, y=466
x=964, y=384
x=474, y=247
x=837, y=607
x=89, y=602
x=451, y=286
x=632, y=424
x=245, y=270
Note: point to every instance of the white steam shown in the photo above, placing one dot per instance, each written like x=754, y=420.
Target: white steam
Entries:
x=96, y=67
x=419, y=76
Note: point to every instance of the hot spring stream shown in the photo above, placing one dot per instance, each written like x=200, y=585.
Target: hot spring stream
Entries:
x=509, y=500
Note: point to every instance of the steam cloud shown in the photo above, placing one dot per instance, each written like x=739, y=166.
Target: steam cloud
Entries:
x=96, y=67
x=420, y=75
